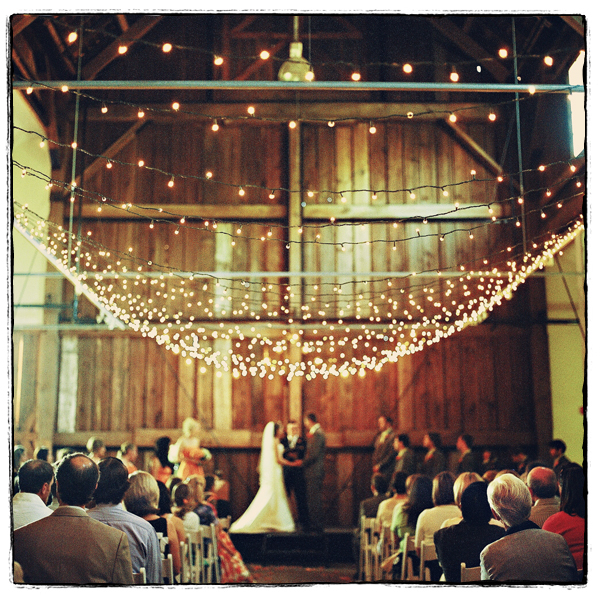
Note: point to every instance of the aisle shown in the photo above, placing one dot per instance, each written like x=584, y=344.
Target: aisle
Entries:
x=294, y=574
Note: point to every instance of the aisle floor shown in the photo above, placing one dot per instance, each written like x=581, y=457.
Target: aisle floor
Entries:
x=298, y=574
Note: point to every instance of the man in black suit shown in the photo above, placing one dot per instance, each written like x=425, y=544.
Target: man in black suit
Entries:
x=467, y=461
x=294, y=448
x=314, y=471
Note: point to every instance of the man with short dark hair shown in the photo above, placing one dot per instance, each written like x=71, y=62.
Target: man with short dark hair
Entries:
x=557, y=452
x=143, y=541
x=543, y=485
x=526, y=552
x=384, y=455
x=35, y=479
x=313, y=465
x=69, y=547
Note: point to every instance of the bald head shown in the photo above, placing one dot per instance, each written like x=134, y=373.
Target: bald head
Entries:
x=542, y=482
x=76, y=479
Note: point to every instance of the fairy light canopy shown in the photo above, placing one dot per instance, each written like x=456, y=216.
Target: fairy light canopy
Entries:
x=450, y=249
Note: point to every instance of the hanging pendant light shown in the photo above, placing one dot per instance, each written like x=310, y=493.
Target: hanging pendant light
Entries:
x=296, y=68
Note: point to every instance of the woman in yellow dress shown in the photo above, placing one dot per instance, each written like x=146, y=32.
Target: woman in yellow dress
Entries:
x=187, y=452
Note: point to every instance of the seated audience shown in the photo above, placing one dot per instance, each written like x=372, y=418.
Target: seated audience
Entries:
x=161, y=468
x=489, y=462
x=19, y=457
x=459, y=486
x=69, y=547
x=431, y=519
x=526, y=553
x=221, y=491
x=557, y=452
x=29, y=504
x=464, y=541
x=43, y=453
x=405, y=516
x=233, y=569
x=141, y=499
x=165, y=510
x=128, y=454
x=570, y=520
x=543, y=486
x=386, y=508
x=368, y=507
x=519, y=460
x=489, y=475
x=143, y=542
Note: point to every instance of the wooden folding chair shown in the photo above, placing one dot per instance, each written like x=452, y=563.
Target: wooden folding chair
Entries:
x=211, y=557
x=385, y=545
x=140, y=578
x=427, y=553
x=167, y=569
x=367, y=536
x=185, y=575
x=407, y=545
x=469, y=573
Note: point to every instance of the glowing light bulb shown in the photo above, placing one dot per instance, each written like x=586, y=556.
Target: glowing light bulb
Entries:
x=531, y=89
x=141, y=113
x=208, y=175
x=454, y=77
x=73, y=145
x=122, y=49
x=272, y=195
x=410, y=114
x=218, y=60
x=104, y=109
x=265, y=54
x=72, y=37
x=108, y=164
x=175, y=106
x=355, y=76
x=407, y=68
x=542, y=168
x=503, y=53
x=292, y=124
x=251, y=110
x=331, y=123
x=140, y=163
x=215, y=126
x=241, y=192
x=492, y=116
x=29, y=90
x=310, y=75
x=64, y=88
x=452, y=118
x=171, y=182
x=372, y=128
x=167, y=47
x=548, y=61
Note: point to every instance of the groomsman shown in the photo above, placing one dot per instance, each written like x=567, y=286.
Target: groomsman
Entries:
x=314, y=471
x=384, y=455
x=294, y=448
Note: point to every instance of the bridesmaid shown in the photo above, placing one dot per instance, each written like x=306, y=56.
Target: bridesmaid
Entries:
x=187, y=452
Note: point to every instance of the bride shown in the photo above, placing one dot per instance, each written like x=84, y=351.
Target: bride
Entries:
x=269, y=511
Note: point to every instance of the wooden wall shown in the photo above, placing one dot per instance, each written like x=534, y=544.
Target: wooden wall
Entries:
x=123, y=386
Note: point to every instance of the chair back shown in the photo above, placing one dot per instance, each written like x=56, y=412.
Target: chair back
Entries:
x=203, y=555
x=366, y=555
x=427, y=553
x=407, y=546
x=186, y=564
x=140, y=578
x=167, y=569
x=469, y=573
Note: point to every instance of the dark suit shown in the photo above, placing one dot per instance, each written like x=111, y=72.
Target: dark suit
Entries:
x=468, y=463
x=433, y=465
x=314, y=474
x=407, y=463
x=69, y=547
x=384, y=455
x=293, y=477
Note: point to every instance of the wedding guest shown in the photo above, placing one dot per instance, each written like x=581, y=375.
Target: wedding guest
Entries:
x=464, y=541
x=141, y=499
x=557, y=452
x=526, y=553
x=386, y=509
x=543, y=486
x=570, y=520
x=43, y=453
x=165, y=510
x=108, y=509
x=461, y=483
x=384, y=455
x=88, y=552
x=467, y=461
x=19, y=457
x=35, y=478
x=431, y=519
x=128, y=454
x=405, y=516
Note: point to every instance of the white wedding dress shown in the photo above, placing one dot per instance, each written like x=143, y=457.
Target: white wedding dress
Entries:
x=269, y=511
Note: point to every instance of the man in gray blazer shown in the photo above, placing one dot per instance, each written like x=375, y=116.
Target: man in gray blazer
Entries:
x=69, y=547
x=314, y=471
x=526, y=553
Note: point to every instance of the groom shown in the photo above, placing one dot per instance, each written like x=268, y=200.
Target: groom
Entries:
x=294, y=447
x=314, y=471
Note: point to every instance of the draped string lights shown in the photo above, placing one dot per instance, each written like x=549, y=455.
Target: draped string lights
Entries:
x=341, y=323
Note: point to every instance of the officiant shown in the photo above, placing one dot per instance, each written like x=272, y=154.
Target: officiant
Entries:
x=294, y=447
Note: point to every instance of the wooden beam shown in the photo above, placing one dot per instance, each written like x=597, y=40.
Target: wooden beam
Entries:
x=233, y=212
x=391, y=212
x=469, y=46
x=278, y=112
x=575, y=22
x=259, y=62
x=135, y=32
x=20, y=22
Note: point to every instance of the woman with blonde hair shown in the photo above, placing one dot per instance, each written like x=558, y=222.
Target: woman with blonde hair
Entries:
x=141, y=499
x=187, y=452
x=233, y=569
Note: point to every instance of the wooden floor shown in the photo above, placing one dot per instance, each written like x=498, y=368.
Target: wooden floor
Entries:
x=274, y=575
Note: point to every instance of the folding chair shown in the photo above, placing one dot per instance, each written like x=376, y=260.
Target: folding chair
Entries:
x=469, y=573
x=211, y=557
x=427, y=553
x=140, y=578
x=385, y=546
x=186, y=565
x=407, y=545
x=167, y=569
x=367, y=536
